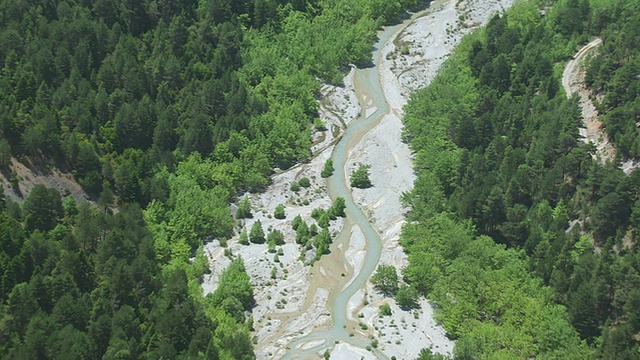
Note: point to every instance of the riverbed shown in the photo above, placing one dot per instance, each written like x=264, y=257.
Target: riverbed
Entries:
x=305, y=311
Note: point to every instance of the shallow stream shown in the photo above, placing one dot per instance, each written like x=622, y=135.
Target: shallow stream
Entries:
x=371, y=96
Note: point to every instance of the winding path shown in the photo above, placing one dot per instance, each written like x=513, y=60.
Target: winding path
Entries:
x=573, y=83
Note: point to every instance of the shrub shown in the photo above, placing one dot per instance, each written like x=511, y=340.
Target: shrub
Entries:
x=328, y=168
x=244, y=237
x=294, y=186
x=305, y=182
x=385, y=310
x=407, y=297
x=360, y=177
x=256, y=235
x=296, y=222
x=315, y=213
x=313, y=229
x=244, y=209
x=276, y=237
x=337, y=209
x=319, y=124
x=385, y=279
x=323, y=220
x=279, y=213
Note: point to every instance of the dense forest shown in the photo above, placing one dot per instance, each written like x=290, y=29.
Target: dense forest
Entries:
x=164, y=111
x=527, y=245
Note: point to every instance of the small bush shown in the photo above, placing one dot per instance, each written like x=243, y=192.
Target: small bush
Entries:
x=385, y=310
x=244, y=209
x=244, y=237
x=276, y=236
x=319, y=124
x=294, y=186
x=304, y=182
x=223, y=242
x=360, y=177
x=328, y=168
x=337, y=209
x=385, y=280
x=315, y=213
x=256, y=235
x=279, y=212
x=407, y=297
x=313, y=229
x=296, y=222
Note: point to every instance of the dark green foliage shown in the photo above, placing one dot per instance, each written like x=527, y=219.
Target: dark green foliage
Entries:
x=385, y=310
x=295, y=186
x=43, y=208
x=276, y=237
x=170, y=106
x=315, y=213
x=322, y=242
x=323, y=220
x=327, y=170
x=360, y=177
x=337, y=209
x=313, y=229
x=302, y=233
x=407, y=297
x=5, y=154
x=234, y=284
x=80, y=299
x=385, y=280
x=613, y=71
x=279, y=212
x=304, y=182
x=243, y=237
x=296, y=222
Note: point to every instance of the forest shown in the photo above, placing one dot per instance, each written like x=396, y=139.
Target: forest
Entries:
x=164, y=112
x=527, y=244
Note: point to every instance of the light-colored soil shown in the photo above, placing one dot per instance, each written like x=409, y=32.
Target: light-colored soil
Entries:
x=593, y=132
x=31, y=175
x=289, y=305
x=573, y=83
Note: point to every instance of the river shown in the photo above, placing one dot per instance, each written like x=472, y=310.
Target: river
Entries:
x=369, y=89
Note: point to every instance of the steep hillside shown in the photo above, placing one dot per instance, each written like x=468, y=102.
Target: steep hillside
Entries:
x=501, y=177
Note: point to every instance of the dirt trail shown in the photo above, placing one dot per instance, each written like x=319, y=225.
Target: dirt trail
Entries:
x=573, y=83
